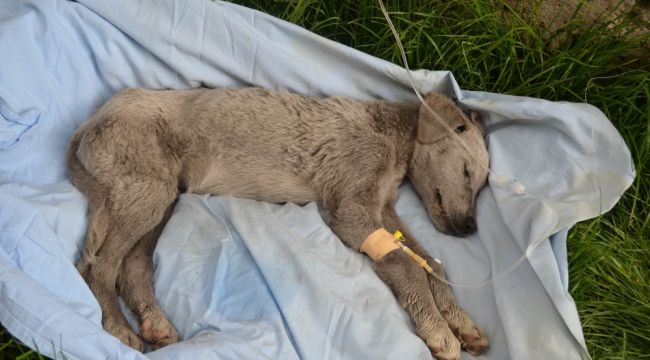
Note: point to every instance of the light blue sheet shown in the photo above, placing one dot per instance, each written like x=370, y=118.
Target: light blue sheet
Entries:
x=247, y=279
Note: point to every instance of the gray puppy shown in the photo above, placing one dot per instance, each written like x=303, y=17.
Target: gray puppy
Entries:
x=143, y=147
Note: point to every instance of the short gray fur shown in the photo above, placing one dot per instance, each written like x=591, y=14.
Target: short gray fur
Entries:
x=137, y=152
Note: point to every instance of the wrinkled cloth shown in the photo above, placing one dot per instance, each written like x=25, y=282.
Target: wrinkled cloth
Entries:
x=246, y=279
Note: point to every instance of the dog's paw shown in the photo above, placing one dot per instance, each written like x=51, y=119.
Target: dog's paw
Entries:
x=440, y=340
x=471, y=337
x=125, y=335
x=474, y=341
x=155, y=328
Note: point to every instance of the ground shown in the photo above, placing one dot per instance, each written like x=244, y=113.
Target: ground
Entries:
x=541, y=50
x=556, y=14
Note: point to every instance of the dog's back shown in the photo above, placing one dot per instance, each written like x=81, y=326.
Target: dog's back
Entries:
x=253, y=143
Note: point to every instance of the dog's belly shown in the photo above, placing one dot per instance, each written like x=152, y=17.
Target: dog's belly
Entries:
x=251, y=181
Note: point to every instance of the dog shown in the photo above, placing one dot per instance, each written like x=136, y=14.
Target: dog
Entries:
x=142, y=148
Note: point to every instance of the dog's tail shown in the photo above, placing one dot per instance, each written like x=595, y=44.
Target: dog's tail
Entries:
x=97, y=204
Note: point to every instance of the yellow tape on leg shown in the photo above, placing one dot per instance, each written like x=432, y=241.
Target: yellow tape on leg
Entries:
x=381, y=242
x=378, y=244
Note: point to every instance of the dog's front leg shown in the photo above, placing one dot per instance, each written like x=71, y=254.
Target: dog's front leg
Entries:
x=471, y=337
x=352, y=221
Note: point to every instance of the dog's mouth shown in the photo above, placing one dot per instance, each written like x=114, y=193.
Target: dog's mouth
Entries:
x=439, y=208
x=443, y=222
x=442, y=219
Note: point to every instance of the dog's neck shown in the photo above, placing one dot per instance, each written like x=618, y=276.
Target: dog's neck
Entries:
x=399, y=121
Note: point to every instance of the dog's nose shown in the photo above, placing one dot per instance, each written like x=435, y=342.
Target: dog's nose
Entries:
x=463, y=226
x=470, y=225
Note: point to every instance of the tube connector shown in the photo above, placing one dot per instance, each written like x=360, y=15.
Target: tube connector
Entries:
x=509, y=183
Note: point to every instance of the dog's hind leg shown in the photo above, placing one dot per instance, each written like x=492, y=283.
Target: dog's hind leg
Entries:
x=136, y=205
x=98, y=221
x=135, y=285
x=96, y=194
x=471, y=337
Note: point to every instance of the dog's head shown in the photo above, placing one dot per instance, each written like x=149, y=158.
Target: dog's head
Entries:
x=445, y=175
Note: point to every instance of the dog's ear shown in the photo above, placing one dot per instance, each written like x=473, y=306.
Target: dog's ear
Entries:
x=430, y=130
x=475, y=118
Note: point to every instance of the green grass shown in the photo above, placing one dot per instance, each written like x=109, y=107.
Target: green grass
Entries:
x=12, y=349
x=489, y=47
